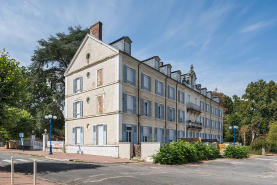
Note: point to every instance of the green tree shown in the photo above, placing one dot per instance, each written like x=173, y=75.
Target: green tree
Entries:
x=271, y=137
x=47, y=85
x=12, y=87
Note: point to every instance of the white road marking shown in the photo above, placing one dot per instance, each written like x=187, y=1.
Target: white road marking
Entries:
x=23, y=160
x=7, y=161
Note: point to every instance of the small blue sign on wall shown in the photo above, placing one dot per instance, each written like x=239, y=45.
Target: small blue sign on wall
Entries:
x=21, y=135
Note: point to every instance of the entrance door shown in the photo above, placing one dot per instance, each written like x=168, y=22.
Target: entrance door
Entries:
x=100, y=134
x=78, y=134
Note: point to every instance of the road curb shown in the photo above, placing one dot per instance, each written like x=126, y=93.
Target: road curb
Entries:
x=56, y=159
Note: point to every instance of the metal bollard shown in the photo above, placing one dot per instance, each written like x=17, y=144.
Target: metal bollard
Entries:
x=12, y=170
x=35, y=171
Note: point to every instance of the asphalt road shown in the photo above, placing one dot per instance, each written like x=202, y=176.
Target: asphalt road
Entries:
x=257, y=170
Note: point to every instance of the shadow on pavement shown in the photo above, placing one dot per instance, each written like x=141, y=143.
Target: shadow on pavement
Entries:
x=45, y=167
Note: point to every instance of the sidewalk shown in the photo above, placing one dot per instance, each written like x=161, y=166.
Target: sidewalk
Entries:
x=70, y=156
x=5, y=178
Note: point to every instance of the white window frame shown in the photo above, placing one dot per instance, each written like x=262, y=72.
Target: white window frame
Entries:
x=76, y=110
x=145, y=137
x=128, y=80
x=170, y=93
x=160, y=111
x=181, y=97
x=146, y=83
x=78, y=79
x=130, y=110
x=159, y=88
x=171, y=136
x=129, y=131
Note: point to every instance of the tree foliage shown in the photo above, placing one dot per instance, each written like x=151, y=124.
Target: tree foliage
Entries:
x=271, y=137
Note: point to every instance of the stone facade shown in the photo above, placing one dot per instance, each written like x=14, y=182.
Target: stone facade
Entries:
x=112, y=97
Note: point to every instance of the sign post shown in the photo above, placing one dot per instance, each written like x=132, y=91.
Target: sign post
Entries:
x=21, y=135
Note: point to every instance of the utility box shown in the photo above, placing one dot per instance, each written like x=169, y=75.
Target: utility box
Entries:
x=11, y=144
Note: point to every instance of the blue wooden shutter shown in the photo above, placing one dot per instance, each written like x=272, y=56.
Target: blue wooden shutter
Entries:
x=104, y=134
x=142, y=80
x=179, y=95
x=173, y=119
x=124, y=127
x=74, y=86
x=183, y=94
x=125, y=74
x=142, y=107
x=73, y=135
x=94, y=135
x=168, y=114
x=173, y=94
x=156, y=130
x=187, y=134
x=125, y=102
x=183, y=134
x=179, y=116
x=134, y=77
x=162, y=112
x=150, y=108
x=162, y=89
x=168, y=91
x=81, y=108
x=141, y=133
x=134, y=105
x=81, y=135
x=74, y=113
x=183, y=112
x=81, y=84
x=150, y=132
x=156, y=110
x=175, y=137
x=162, y=135
x=179, y=133
x=135, y=141
x=167, y=136
x=149, y=83
x=156, y=86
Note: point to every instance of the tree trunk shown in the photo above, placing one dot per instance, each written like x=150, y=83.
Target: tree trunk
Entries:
x=244, y=137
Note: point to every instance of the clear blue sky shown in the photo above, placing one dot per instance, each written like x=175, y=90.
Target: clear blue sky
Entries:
x=230, y=43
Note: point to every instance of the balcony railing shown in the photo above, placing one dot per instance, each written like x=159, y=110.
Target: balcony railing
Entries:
x=194, y=125
x=194, y=108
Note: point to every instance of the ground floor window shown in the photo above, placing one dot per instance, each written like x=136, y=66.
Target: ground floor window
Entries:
x=171, y=136
x=145, y=134
x=159, y=135
x=77, y=136
x=100, y=134
x=129, y=134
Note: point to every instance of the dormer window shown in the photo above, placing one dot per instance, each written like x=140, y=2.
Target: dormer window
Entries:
x=168, y=72
x=156, y=64
x=127, y=48
x=179, y=78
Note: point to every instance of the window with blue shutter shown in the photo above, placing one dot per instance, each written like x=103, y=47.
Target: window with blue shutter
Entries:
x=156, y=111
x=73, y=135
x=81, y=108
x=179, y=134
x=124, y=132
x=134, y=77
x=167, y=136
x=179, y=116
x=135, y=134
x=81, y=135
x=74, y=86
x=134, y=105
x=173, y=94
x=184, y=117
x=141, y=133
x=162, y=112
x=173, y=119
x=142, y=80
x=179, y=96
x=150, y=108
x=168, y=93
x=150, y=133
x=175, y=137
x=156, y=86
x=81, y=84
x=125, y=102
x=168, y=114
x=149, y=83
x=74, y=111
x=162, y=135
x=162, y=88
x=156, y=131
x=142, y=106
x=94, y=135
x=104, y=134
x=125, y=74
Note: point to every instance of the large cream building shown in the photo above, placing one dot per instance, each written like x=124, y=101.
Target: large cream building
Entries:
x=112, y=97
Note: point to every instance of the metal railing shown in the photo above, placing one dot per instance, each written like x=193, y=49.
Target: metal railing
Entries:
x=194, y=125
x=193, y=107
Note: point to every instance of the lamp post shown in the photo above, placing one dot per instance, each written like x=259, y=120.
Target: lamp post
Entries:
x=234, y=127
x=50, y=117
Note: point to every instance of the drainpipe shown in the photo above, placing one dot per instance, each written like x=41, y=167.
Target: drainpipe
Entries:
x=176, y=113
x=165, y=134
x=138, y=113
x=210, y=110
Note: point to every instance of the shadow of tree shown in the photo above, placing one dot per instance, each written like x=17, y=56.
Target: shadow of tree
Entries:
x=50, y=167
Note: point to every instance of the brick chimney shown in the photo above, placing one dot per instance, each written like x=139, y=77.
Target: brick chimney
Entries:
x=96, y=30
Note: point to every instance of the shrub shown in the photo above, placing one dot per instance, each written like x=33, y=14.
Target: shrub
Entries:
x=257, y=145
x=237, y=152
x=183, y=152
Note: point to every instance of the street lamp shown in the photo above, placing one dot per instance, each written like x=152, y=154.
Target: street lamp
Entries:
x=49, y=117
x=234, y=128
